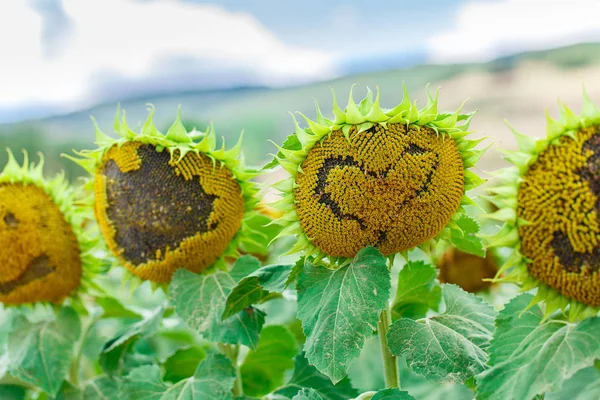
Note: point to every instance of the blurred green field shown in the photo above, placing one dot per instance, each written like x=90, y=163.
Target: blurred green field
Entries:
x=517, y=87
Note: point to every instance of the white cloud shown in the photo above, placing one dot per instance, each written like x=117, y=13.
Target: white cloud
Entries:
x=130, y=39
x=486, y=29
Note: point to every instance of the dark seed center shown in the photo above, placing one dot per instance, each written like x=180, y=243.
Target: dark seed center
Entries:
x=153, y=208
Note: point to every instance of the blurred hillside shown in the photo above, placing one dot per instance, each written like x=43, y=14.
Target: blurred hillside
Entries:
x=518, y=88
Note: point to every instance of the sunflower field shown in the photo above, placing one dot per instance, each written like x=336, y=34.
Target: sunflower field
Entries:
x=370, y=259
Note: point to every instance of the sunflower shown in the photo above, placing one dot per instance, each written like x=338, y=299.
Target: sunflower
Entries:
x=470, y=272
x=390, y=178
x=168, y=201
x=549, y=202
x=46, y=255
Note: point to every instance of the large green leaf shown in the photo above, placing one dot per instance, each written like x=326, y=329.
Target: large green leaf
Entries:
x=307, y=394
x=41, y=353
x=584, y=385
x=244, y=266
x=112, y=359
x=183, y=363
x=464, y=236
x=264, y=368
x=392, y=394
x=256, y=287
x=531, y=357
x=101, y=388
x=200, y=301
x=307, y=376
x=213, y=380
x=449, y=347
x=339, y=309
x=418, y=290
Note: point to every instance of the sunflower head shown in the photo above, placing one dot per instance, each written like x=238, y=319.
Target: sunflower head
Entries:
x=550, y=204
x=390, y=178
x=470, y=272
x=45, y=255
x=168, y=201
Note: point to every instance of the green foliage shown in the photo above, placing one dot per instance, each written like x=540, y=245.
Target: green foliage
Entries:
x=307, y=376
x=418, y=290
x=264, y=368
x=12, y=392
x=392, y=394
x=531, y=356
x=464, y=236
x=584, y=385
x=451, y=346
x=307, y=394
x=114, y=355
x=40, y=353
x=256, y=287
x=213, y=380
x=339, y=309
x=200, y=301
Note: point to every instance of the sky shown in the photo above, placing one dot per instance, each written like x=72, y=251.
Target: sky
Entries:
x=58, y=56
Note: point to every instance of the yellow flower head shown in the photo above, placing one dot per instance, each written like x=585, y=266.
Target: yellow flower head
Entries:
x=168, y=201
x=394, y=179
x=550, y=203
x=45, y=254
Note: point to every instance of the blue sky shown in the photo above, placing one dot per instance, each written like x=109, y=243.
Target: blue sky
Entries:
x=64, y=55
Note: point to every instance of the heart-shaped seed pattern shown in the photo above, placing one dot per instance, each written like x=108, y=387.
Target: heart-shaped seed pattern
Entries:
x=393, y=187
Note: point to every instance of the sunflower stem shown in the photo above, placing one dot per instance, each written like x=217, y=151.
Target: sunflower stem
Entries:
x=390, y=362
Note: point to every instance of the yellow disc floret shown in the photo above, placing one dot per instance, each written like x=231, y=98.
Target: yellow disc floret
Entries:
x=159, y=213
x=169, y=201
x=391, y=187
x=39, y=252
x=550, y=203
x=560, y=198
x=393, y=178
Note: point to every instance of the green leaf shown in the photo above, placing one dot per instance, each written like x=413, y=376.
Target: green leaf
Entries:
x=296, y=269
x=449, y=347
x=69, y=392
x=112, y=359
x=114, y=309
x=256, y=287
x=12, y=392
x=307, y=376
x=339, y=309
x=465, y=238
x=418, y=290
x=101, y=388
x=183, y=363
x=213, y=380
x=40, y=353
x=200, y=301
x=264, y=368
x=290, y=143
x=531, y=357
x=145, y=383
x=244, y=266
x=307, y=394
x=584, y=385
x=392, y=394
